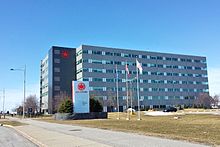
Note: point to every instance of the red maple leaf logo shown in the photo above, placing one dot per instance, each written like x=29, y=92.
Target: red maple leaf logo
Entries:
x=81, y=86
x=65, y=54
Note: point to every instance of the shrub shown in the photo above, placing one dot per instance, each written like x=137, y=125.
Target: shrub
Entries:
x=66, y=106
x=95, y=105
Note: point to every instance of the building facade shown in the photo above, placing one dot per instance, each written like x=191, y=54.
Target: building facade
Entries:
x=58, y=70
x=167, y=79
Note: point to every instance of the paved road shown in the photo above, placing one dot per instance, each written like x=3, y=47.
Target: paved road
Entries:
x=10, y=138
x=107, y=137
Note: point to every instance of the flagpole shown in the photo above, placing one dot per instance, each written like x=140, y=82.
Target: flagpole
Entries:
x=117, y=90
x=131, y=94
x=139, y=114
x=127, y=89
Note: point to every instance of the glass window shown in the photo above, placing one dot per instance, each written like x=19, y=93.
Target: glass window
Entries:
x=175, y=74
x=97, y=88
x=175, y=67
x=108, y=53
x=154, y=81
x=97, y=52
x=134, y=56
x=161, y=81
x=197, y=68
x=154, y=89
x=170, y=89
x=189, y=60
x=175, y=82
x=56, y=60
x=56, y=69
x=97, y=61
x=189, y=67
x=159, y=58
x=108, y=62
x=162, y=89
x=118, y=62
x=109, y=80
x=169, y=74
x=85, y=51
x=144, y=56
x=153, y=57
x=85, y=79
x=197, y=61
x=57, y=52
x=109, y=71
x=174, y=59
x=183, y=60
x=160, y=65
x=97, y=79
x=190, y=75
x=150, y=97
x=152, y=65
x=160, y=73
x=184, y=82
x=176, y=90
x=168, y=66
x=117, y=54
x=127, y=55
x=97, y=70
x=169, y=82
x=57, y=79
x=57, y=88
x=168, y=59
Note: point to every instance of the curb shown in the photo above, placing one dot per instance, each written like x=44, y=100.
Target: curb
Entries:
x=38, y=143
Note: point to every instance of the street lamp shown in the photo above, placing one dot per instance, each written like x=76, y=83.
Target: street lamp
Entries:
x=23, y=70
x=3, y=103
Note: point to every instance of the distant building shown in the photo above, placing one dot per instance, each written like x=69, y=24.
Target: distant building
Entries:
x=57, y=72
x=167, y=79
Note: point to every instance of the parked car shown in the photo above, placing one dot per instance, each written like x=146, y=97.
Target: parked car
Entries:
x=170, y=109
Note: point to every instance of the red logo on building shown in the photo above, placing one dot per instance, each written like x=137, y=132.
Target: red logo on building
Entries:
x=81, y=86
x=65, y=54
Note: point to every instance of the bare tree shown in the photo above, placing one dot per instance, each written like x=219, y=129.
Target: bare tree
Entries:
x=111, y=100
x=31, y=104
x=216, y=100
x=203, y=100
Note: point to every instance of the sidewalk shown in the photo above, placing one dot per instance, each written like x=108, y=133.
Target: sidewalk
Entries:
x=46, y=138
x=61, y=135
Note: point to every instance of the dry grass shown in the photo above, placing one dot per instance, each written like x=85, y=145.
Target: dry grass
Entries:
x=11, y=123
x=196, y=128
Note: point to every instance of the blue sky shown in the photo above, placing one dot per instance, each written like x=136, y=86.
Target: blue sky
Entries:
x=28, y=28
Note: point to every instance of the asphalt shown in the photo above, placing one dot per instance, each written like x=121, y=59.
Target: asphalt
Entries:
x=60, y=135
x=10, y=138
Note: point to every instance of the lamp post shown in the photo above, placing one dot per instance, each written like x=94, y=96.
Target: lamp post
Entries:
x=3, y=102
x=23, y=70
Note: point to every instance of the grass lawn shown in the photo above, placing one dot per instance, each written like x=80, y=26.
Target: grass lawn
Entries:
x=196, y=128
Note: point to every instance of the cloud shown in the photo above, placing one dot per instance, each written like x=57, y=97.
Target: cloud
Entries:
x=15, y=97
x=214, y=80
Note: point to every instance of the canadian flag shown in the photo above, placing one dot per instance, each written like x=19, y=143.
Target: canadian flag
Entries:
x=138, y=64
x=126, y=69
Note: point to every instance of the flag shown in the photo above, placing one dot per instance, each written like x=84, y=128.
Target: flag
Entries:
x=139, y=66
x=126, y=69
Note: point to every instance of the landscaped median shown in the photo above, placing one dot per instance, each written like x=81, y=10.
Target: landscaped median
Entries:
x=195, y=128
x=10, y=123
